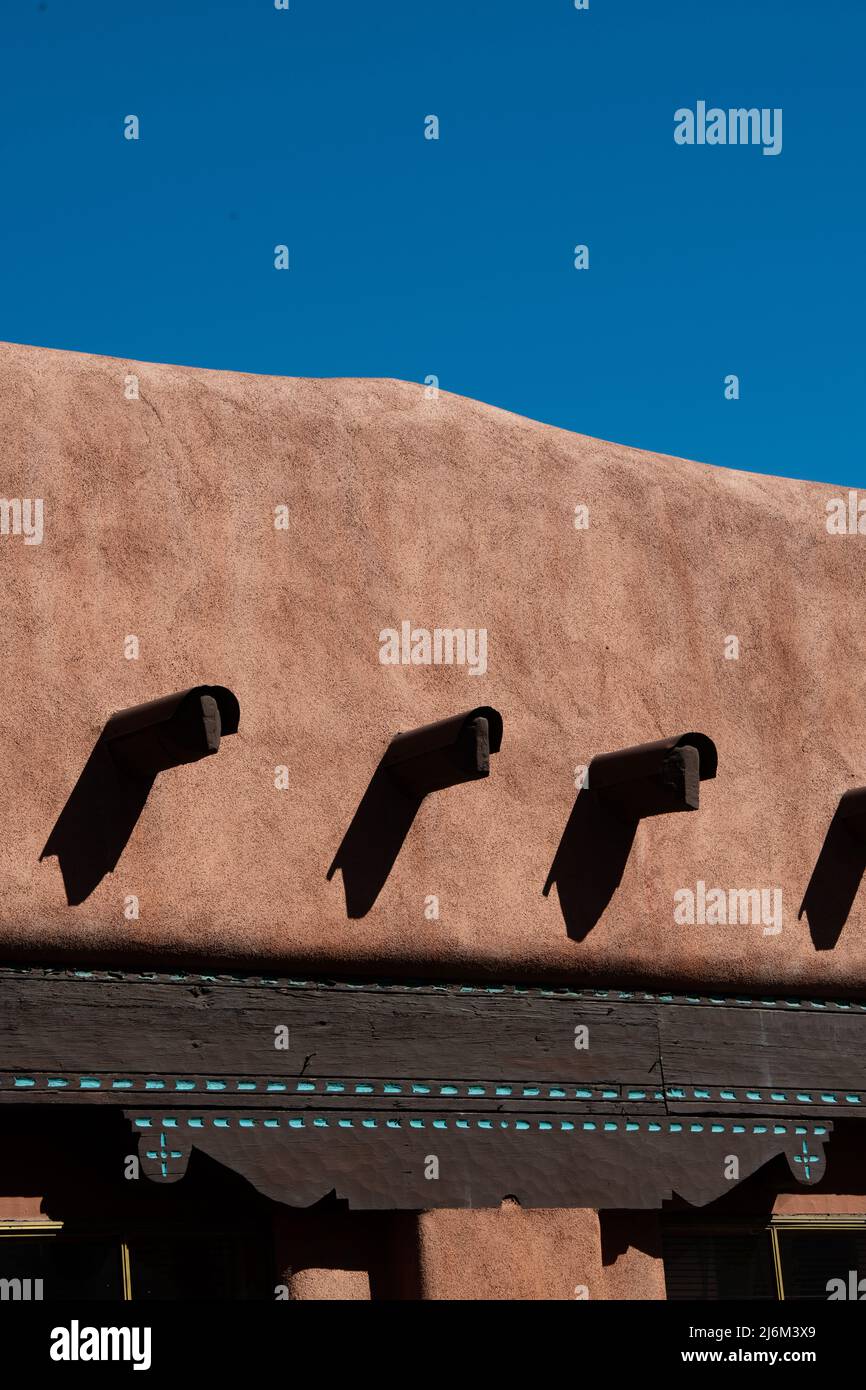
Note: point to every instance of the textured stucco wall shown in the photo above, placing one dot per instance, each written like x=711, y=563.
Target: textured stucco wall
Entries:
x=159, y=522
x=511, y=1253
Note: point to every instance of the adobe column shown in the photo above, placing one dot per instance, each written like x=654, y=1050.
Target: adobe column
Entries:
x=530, y=1253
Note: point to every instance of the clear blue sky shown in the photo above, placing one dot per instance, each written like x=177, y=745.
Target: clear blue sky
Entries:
x=454, y=257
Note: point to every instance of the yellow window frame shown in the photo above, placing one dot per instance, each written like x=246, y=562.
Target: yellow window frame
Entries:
x=22, y=1230
x=819, y=1222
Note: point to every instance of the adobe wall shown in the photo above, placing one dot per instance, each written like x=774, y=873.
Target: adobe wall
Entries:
x=513, y=1253
x=159, y=523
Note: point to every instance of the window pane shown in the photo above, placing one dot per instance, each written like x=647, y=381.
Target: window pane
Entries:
x=718, y=1264
x=69, y=1269
x=811, y=1259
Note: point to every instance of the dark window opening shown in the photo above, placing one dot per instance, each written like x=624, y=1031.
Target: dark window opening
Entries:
x=51, y=1265
x=817, y=1258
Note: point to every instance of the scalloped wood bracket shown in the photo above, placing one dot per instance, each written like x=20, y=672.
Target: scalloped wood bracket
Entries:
x=409, y=1162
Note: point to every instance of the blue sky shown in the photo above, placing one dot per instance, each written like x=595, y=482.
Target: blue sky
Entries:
x=411, y=257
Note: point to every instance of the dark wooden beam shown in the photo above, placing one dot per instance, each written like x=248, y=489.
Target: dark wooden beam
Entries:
x=557, y=1097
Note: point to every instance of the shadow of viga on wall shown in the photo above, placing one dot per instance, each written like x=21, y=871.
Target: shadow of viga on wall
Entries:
x=136, y=744
x=428, y=759
x=838, y=871
x=619, y=791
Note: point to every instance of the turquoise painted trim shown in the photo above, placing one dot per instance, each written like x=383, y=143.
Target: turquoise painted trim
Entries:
x=628, y=1126
x=517, y=1090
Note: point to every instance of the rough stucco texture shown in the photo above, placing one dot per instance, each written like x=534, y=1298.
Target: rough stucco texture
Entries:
x=159, y=522
x=509, y=1253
